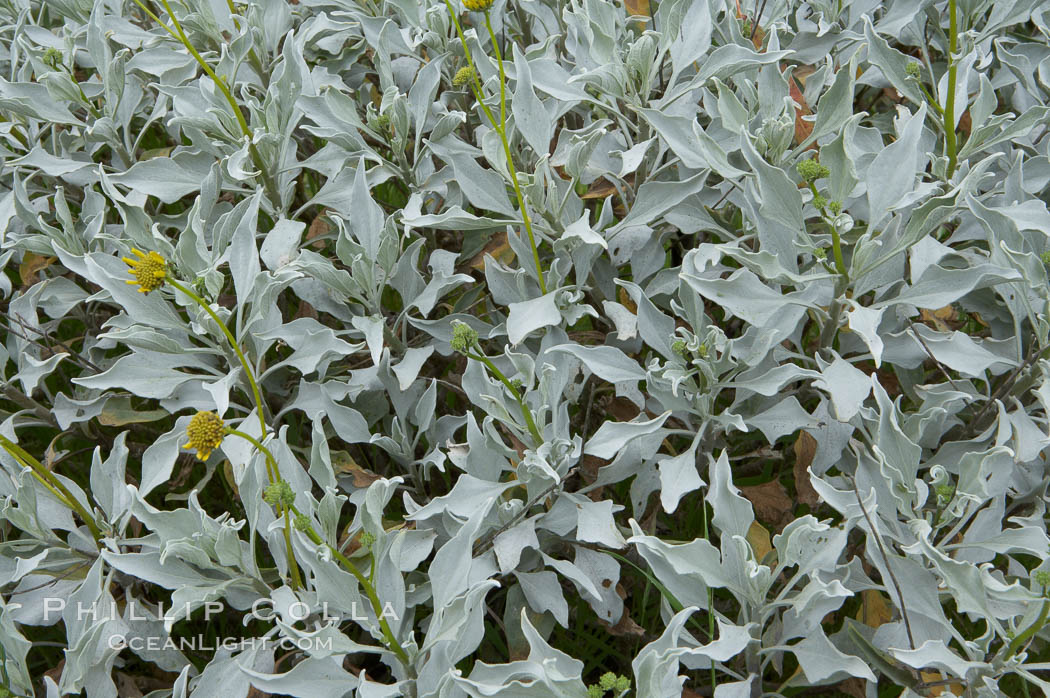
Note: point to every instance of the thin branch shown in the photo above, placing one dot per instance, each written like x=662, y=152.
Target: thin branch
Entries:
x=484, y=546
x=929, y=353
x=886, y=561
x=1035, y=352
x=49, y=342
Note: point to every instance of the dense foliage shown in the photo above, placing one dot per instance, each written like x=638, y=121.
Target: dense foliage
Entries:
x=529, y=348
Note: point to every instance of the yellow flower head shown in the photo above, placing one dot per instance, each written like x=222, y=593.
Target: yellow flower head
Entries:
x=478, y=5
x=205, y=432
x=149, y=270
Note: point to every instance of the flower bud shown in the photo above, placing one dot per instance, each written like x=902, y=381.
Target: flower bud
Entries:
x=463, y=76
x=279, y=493
x=463, y=337
x=53, y=58
x=811, y=171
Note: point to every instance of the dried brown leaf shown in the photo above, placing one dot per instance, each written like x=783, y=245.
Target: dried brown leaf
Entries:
x=344, y=464
x=31, y=266
x=942, y=319
x=771, y=501
x=318, y=227
x=874, y=609
x=941, y=690
x=853, y=687
x=625, y=627
x=758, y=538
x=805, y=450
x=802, y=127
x=498, y=247
x=639, y=8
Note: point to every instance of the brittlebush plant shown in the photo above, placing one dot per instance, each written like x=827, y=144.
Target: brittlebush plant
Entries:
x=567, y=348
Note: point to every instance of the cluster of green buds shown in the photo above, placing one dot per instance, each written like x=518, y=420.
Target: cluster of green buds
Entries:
x=810, y=170
x=463, y=76
x=367, y=540
x=379, y=122
x=1042, y=578
x=53, y=58
x=688, y=345
x=279, y=493
x=302, y=522
x=464, y=337
x=609, y=683
x=698, y=362
x=913, y=70
x=945, y=492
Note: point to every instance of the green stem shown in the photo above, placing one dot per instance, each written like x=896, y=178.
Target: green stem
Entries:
x=470, y=61
x=1018, y=642
x=253, y=57
x=827, y=334
x=526, y=412
x=502, y=73
x=87, y=102
x=930, y=99
x=370, y=591
x=236, y=348
x=52, y=483
x=180, y=35
x=710, y=602
x=275, y=476
x=271, y=464
x=836, y=241
x=500, y=128
x=44, y=479
x=836, y=249
x=949, y=107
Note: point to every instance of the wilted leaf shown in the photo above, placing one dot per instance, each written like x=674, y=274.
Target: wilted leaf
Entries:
x=498, y=248
x=942, y=319
x=119, y=412
x=344, y=464
x=638, y=8
x=803, y=127
x=771, y=502
x=805, y=450
x=874, y=609
x=31, y=266
x=761, y=545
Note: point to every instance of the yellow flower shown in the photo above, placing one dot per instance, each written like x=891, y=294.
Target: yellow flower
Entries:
x=478, y=5
x=149, y=270
x=205, y=431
